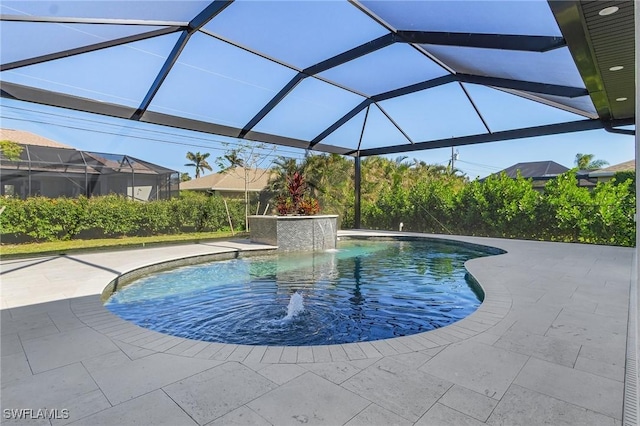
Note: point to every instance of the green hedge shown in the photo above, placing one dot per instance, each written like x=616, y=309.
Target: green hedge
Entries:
x=511, y=208
x=498, y=207
x=51, y=219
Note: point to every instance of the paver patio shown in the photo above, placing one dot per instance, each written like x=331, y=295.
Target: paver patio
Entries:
x=547, y=346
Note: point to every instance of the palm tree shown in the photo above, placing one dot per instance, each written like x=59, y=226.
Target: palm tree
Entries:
x=282, y=167
x=199, y=161
x=586, y=162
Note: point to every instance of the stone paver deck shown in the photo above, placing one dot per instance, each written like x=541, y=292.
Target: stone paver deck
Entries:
x=547, y=346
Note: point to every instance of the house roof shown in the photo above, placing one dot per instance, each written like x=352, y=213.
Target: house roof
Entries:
x=45, y=154
x=232, y=180
x=622, y=167
x=535, y=169
x=28, y=138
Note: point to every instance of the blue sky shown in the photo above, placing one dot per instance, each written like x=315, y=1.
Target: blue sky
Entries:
x=214, y=82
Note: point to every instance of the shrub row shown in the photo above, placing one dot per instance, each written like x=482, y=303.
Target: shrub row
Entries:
x=50, y=219
x=511, y=208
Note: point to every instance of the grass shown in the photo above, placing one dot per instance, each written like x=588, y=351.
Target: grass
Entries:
x=59, y=247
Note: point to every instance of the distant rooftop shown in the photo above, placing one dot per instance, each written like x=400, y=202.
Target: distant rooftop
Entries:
x=622, y=167
x=28, y=138
x=535, y=169
x=232, y=180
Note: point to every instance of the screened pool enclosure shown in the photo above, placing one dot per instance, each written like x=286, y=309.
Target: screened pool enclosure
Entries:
x=60, y=172
x=356, y=78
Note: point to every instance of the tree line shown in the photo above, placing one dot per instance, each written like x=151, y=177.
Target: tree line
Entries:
x=433, y=199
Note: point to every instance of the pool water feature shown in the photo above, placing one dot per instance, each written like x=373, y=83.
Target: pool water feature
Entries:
x=365, y=290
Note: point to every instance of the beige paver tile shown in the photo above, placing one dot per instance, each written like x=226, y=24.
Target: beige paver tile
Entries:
x=65, y=348
x=281, y=373
x=10, y=344
x=469, y=402
x=336, y=372
x=551, y=349
x=147, y=374
x=14, y=367
x=404, y=391
x=213, y=393
x=524, y=407
x=375, y=415
x=154, y=408
x=242, y=416
x=482, y=368
x=308, y=399
x=577, y=387
x=62, y=386
x=442, y=415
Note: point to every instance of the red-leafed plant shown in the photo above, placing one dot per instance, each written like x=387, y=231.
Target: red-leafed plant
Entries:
x=296, y=201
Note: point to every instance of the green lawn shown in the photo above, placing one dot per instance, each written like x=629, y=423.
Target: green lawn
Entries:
x=58, y=247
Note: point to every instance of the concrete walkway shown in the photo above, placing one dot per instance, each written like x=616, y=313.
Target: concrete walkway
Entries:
x=547, y=346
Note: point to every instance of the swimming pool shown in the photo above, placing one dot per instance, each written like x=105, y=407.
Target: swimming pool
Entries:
x=365, y=290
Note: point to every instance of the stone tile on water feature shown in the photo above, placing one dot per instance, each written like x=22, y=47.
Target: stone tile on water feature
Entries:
x=524, y=407
x=485, y=369
x=573, y=386
x=215, y=392
x=404, y=391
x=154, y=408
x=308, y=399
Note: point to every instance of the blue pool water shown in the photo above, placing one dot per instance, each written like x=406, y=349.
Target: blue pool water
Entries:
x=363, y=291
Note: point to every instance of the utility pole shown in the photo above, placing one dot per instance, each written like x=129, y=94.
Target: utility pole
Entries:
x=454, y=156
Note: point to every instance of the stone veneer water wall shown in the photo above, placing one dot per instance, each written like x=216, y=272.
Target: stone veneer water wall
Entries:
x=295, y=233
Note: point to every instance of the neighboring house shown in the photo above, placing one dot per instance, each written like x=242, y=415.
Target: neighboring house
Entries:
x=538, y=171
x=231, y=184
x=542, y=171
x=606, y=174
x=52, y=169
